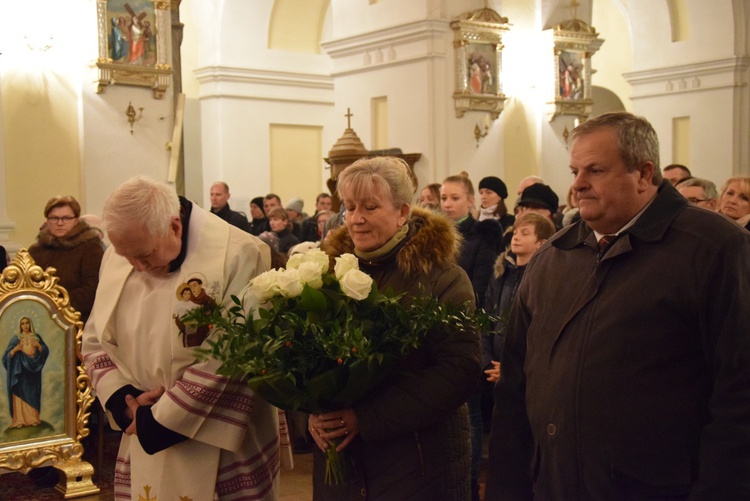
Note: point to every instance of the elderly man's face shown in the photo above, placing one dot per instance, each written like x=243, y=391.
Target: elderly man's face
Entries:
x=696, y=195
x=147, y=253
x=608, y=195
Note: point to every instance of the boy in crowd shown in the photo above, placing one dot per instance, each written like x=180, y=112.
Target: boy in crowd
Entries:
x=530, y=232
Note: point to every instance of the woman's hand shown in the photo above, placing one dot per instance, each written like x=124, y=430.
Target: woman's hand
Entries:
x=331, y=425
x=493, y=375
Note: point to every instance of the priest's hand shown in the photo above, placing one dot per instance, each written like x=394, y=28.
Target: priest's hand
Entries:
x=147, y=398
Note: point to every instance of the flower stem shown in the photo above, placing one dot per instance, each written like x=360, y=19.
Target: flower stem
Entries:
x=337, y=472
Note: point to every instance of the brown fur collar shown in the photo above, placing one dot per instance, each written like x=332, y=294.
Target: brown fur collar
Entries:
x=77, y=235
x=433, y=242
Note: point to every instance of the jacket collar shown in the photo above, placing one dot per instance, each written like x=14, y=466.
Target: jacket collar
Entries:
x=650, y=227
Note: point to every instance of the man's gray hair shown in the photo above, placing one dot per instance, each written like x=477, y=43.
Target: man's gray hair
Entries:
x=709, y=188
x=637, y=139
x=141, y=202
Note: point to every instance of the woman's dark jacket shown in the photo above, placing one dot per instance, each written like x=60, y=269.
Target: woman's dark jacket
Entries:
x=414, y=430
x=76, y=258
x=481, y=246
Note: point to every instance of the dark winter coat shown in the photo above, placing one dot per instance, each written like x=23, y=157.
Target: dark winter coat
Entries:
x=76, y=258
x=481, y=246
x=414, y=430
x=634, y=367
x=497, y=302
x=234, y=218
x=287, y=240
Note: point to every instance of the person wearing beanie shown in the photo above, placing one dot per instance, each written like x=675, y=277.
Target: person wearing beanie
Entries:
x=296, y=216
x=259, y=222
x=539, y=198
x=492, y=195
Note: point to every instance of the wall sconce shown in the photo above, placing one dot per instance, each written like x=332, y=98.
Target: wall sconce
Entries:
x=478, y=134
x=132, y=117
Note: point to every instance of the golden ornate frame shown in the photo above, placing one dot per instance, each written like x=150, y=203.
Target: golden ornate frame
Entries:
x=157, y=76
x=579, y=41
x=26, y=288
x=476, y=32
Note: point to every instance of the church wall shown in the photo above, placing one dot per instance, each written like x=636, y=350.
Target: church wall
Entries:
x=695, y=78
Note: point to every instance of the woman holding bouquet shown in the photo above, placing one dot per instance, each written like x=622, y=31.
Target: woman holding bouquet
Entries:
x=409, y=437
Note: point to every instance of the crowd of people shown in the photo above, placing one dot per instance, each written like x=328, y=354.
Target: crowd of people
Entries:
x=615, y=366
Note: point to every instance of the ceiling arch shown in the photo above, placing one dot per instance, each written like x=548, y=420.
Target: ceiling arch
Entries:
x=297, y=26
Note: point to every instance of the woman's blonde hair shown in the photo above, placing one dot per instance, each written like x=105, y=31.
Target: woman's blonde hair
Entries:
x=744, y=185
x=389, y=173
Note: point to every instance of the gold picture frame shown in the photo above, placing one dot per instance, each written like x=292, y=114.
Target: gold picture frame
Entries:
x=574, y=42
x=133, y=37
x=46, y=392
x=478, y=47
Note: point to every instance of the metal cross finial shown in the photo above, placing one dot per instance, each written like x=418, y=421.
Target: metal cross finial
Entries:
x=574, y=5
x=348, y=119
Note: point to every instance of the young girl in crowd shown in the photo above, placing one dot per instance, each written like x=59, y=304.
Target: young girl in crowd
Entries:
x=282, y=227
x=529, y=233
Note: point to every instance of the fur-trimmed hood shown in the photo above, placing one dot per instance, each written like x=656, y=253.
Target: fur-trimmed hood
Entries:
x=77, y=235
x=433, y=241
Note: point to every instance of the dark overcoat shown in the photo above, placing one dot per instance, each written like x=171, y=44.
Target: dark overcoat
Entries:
x=634, y=366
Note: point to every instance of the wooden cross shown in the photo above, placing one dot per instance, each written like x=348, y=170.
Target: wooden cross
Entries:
x=132, y=12
x=348, y=119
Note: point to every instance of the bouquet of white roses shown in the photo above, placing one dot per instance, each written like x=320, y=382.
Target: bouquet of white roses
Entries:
x=324, y=340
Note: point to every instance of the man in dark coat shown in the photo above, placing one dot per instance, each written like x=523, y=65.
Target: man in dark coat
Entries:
x=219, y=195
x=626, y=374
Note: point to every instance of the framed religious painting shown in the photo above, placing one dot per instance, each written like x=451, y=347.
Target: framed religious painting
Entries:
x=478, y=48
x=573, y=42
x=46, y=393
x=133, y=38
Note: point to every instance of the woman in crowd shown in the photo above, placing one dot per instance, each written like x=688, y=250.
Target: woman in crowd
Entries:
x=282, y=227
x=492, y=195
x=409, y=438
x=258, y=221
x=429, y=197
x=734, y=201
x=73, y=248
x=481, y=246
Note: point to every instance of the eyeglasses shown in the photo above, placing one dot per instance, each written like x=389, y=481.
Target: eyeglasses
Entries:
x=694, y=200
x=58, y=220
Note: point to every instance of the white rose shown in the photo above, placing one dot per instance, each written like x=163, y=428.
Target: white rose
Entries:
x=344, y=263
x=309, y=273
x=265, y=286
x=294, y=261
x=320, y=258
x=289, y=283
x=356, y=284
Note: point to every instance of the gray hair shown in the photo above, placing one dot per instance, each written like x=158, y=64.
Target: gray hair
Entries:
x=389, y=173
x=141, y=202
x=709, y=188
x=637, y=139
